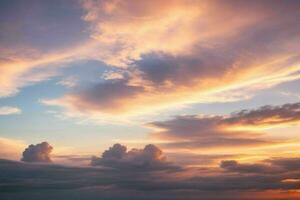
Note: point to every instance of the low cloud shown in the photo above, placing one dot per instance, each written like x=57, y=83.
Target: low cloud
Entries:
x=234, y=181
x=37, y=153
x=150, y=158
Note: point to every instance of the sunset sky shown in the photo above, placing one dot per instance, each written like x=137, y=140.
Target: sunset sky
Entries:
x=177, y=99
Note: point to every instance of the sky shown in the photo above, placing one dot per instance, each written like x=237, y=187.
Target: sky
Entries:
x=157, y=99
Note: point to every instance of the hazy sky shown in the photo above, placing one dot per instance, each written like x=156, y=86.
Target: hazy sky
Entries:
x=210, y=83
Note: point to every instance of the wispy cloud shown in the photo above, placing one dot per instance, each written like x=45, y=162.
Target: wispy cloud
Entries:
x=165, y=66
x=7, y=110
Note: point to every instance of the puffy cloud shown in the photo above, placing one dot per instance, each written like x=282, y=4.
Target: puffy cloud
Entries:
x=37, y=153
x=148, y=159
x=7, y=110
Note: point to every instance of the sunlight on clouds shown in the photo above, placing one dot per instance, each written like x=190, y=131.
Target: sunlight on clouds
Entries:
x=232, y=87
x=18, y=70
x=129, y=29
x=181, y=53
x=141, y=94
x=213, y=67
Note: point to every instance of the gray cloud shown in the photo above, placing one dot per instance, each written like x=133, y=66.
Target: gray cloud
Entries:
x=267, y=115
x=192, y=132
x=150, y=158
x=292, y=163
x=37, y=153
x=234, y=166
x=61, y=182
x=268, y=166
x=207, y=131
x=105, y=95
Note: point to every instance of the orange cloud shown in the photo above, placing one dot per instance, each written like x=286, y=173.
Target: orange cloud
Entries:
x=218, y=60
x=22, y=67
x=129, y=29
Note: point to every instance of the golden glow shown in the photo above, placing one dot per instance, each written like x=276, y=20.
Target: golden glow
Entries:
x=290, y=180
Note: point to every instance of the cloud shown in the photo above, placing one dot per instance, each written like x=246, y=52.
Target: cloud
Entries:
x=267, y=116
x=102, y=96
x=148, y=159
x=145, y=27
x=7, y=110
x=35, y=44
x=292, y=163
x=193, y=132
x=166, y=61
x=22, y=68
x=285, y=166
x=142, y=27
x=68, y=82
x=238, y=129
x=37, y=153
x=184, y=52
x=94, y=183
x=234, y=166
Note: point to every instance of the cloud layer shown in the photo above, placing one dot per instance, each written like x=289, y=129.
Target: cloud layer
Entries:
x=269, y=179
